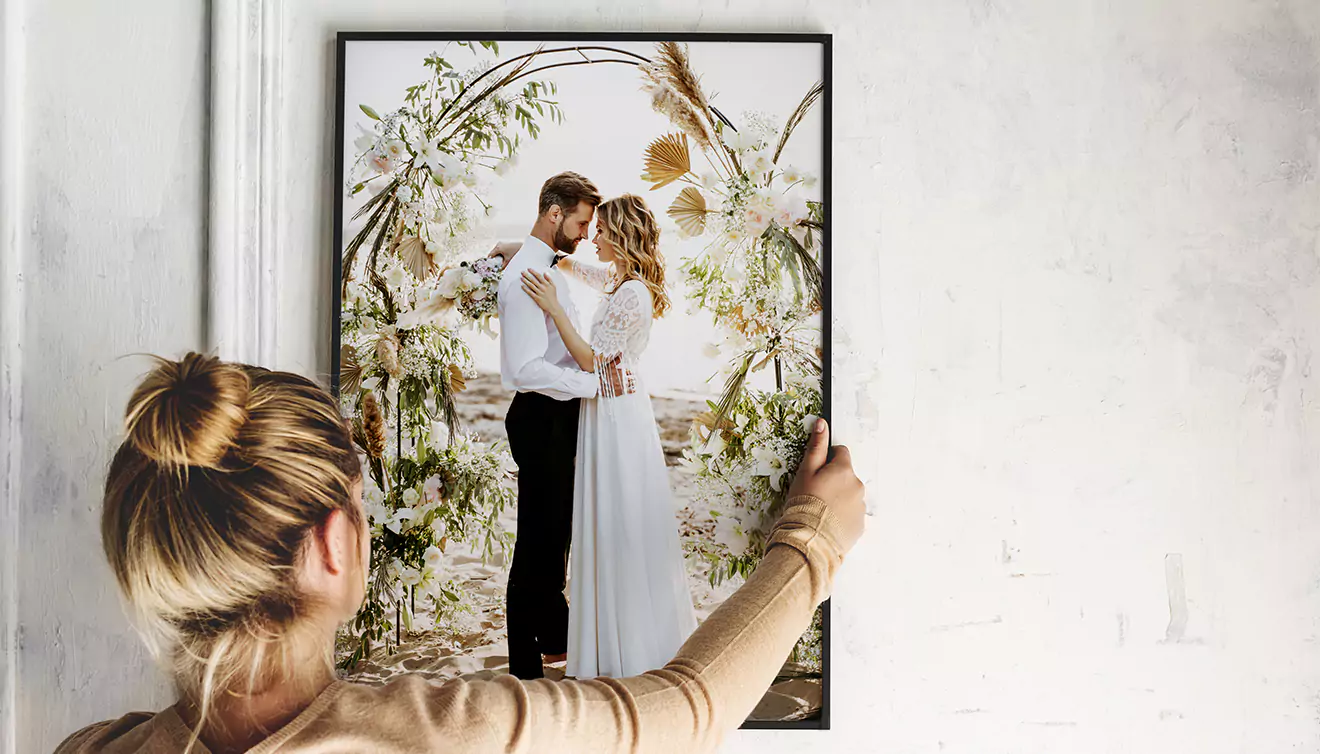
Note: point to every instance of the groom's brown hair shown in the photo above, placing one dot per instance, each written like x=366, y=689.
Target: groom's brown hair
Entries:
x=567, y=190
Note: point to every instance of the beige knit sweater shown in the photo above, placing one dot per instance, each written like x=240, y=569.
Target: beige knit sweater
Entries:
x=708, y=689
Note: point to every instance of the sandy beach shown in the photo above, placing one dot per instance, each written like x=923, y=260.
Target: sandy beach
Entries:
x=477, y=648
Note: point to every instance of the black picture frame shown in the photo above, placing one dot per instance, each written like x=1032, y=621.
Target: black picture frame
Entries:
x=342, y=38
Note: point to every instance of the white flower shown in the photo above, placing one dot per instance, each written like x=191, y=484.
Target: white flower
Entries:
x=375, y=511
x=429, y=153
x=449, y=169
x=761, y=162
x=396, y=277
x=395, y=149
x=770, y=464
x=735, y=342
x=469, y=279
x=450, y=282
x=711, y=351
x=742, y=141
x=410, y=497
x=757, y=220
x=504, y=166
x=433, y=557
x=468, y=179
x=410, y=576
x=433, y=486
x=809, y=423
x=792, y=208
x=792, y=174
x=381, y=163
x=365, y=140
x=480, y=294
x=729, y=534
x=718, y=253
x=396, y=523
x=690, y=463
x=438, y=437
x=709, y=181
x=412, y=318
x=715, y=444
x=809, y=180
x=406, y=193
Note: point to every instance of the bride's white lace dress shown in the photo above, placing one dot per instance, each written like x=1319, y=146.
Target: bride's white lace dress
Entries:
x=629, y=605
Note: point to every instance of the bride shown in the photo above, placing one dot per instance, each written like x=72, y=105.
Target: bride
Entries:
x=629, y=604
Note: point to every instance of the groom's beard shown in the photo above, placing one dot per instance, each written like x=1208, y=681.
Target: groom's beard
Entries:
x=563, y=242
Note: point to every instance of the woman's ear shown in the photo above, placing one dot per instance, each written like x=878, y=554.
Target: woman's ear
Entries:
x=329, y=553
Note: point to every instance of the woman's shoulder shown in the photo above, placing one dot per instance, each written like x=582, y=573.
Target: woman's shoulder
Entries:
x=633, y=287
x=138, y=732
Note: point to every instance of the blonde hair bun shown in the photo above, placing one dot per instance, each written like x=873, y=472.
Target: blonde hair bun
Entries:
x=189, y=412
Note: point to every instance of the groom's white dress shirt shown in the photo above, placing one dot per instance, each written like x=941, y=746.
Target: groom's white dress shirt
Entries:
x=533, y=357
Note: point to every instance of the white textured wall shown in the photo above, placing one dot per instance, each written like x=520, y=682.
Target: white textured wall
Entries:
x=1076, y=292
x=113, y=219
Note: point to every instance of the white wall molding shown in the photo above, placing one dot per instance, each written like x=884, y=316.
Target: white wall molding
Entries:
x=245, y=169
x=12, y=236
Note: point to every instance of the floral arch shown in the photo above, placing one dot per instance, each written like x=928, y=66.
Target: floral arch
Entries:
x=409, y=300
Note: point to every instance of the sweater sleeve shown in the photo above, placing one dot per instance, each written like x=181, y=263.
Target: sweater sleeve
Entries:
x=689, y=705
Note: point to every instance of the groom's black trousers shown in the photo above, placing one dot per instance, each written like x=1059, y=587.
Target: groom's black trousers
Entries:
x=543, y=439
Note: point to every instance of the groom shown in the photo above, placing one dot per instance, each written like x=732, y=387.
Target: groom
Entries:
x=542, y=426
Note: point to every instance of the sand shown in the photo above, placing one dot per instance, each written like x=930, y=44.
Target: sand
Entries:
x=477, y=649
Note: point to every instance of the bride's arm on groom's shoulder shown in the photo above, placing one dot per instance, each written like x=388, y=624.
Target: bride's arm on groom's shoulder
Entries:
x=597, y=276
x=505, y=250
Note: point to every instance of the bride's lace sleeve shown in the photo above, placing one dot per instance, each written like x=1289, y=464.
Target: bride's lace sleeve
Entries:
x=598, y=276
x=626, y=314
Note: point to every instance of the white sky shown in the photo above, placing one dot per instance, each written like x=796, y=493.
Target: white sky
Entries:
x=608, y=122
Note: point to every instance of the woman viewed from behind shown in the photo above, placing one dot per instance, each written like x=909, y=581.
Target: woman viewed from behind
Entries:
x=233, y=522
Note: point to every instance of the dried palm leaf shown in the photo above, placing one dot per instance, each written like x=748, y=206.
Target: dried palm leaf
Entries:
x=667, y=160
x=350, y=370
x=706, y=419
x=733, y=388
x=689, y=211
x=457, y=382
x=373, y=426
x=415, y=256
x=769, y=357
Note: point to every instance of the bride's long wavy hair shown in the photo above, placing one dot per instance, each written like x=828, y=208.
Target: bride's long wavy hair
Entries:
x=629, y=225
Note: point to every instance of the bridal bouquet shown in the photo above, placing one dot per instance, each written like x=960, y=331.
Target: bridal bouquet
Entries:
x=473, y=286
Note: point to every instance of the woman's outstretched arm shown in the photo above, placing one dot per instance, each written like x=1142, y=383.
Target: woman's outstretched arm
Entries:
x=689, y=705
x=598, y=276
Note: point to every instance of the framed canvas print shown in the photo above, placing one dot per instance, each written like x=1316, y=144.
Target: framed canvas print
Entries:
x=581, y=307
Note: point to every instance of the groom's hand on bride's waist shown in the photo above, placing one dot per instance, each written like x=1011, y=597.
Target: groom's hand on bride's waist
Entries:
x=616, y=379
